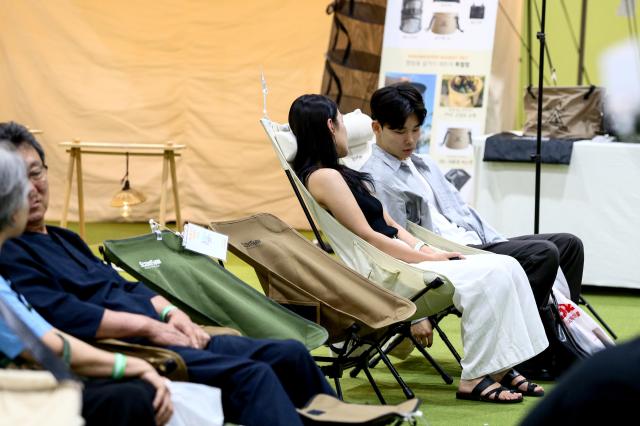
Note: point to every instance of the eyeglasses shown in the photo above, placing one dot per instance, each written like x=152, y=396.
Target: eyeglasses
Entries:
x=38, y=173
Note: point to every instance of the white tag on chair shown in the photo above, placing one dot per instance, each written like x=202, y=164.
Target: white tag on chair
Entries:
x=204, y=241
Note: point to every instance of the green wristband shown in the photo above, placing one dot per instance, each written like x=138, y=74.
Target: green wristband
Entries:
x=165, y=312
x=119, y=365
x=66, y=349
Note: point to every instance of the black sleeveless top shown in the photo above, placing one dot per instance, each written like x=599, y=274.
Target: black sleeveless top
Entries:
x=371, y=207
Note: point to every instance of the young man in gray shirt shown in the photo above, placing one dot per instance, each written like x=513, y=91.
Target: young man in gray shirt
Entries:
x=413, y=188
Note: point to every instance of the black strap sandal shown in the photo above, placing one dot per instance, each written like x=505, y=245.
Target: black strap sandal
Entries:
x=511, y=376
x=491, y=396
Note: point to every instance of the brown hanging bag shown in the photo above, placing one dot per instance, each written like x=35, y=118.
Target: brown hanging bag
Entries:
x=572, y=112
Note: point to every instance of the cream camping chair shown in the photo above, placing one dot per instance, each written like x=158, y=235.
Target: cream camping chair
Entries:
x=395, y=275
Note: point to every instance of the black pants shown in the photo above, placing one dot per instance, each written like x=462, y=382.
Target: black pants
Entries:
x=540, y=256
x=122, y=403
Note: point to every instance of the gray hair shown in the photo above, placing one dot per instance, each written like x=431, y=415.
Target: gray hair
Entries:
x=14, y=184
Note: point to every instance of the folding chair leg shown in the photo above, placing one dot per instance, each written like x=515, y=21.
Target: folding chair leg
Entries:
x=390, y=347
x=338, y=387
x=447, y=378
x=446, y=341
x=405, y=388
x=375, y=387
x=366, y=355
x=374, y=361
x=584, y=302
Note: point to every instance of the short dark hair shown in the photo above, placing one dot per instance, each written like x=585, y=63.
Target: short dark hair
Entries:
x=18, y=135
x=392, y=105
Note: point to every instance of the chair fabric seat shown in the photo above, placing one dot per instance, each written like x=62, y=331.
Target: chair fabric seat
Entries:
x=294, y=271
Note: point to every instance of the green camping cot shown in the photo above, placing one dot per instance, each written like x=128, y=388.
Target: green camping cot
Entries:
x=206, y=291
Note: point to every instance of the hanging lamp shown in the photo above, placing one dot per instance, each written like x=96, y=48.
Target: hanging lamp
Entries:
x=127, y=196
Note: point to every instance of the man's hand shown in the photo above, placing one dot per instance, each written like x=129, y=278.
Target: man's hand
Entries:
x=423, y=332
x=197, y=337
x=163, y=334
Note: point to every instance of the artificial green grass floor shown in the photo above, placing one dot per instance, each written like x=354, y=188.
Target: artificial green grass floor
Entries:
x=621, y=310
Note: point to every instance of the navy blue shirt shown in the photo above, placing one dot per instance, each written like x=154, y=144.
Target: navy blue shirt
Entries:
x=70, y=287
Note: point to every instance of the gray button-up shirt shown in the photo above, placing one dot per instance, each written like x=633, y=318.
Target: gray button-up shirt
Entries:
x=404, y=197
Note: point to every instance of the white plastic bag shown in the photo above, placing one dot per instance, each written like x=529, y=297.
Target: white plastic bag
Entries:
x=584, y=330
x=195, y=405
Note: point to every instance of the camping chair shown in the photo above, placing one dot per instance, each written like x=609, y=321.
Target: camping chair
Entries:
x=207, y=292
x=395, y=275
x=292, y=271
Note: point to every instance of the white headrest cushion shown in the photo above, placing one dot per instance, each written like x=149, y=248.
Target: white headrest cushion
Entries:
x=358, y=127
x=287, y=142
x=359, y=130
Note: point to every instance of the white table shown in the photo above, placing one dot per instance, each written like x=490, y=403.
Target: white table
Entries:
x=596, y=197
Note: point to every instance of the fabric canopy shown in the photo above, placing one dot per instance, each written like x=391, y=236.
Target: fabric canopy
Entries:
x=153, y=71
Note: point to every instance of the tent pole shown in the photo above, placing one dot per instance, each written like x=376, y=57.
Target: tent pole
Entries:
x=541, y=38
x=529, y=44
x=583, y=30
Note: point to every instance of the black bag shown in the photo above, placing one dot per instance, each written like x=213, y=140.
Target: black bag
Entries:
x=567, y=112
x=563, y=350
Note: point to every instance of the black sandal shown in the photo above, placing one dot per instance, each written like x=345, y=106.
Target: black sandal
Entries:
x=510, y=377
x=491, y=396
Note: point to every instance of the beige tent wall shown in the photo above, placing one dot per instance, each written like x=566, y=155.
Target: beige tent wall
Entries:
x=152, y=71
x=186, y=71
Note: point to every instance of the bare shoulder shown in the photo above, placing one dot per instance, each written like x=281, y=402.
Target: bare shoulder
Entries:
x=327, y=186
x=325, y=176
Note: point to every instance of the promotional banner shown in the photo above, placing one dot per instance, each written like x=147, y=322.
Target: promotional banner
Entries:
x=444, y=48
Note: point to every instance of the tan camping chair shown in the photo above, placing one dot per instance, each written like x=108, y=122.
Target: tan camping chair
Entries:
x=357, y=313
